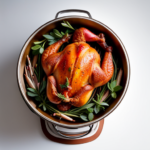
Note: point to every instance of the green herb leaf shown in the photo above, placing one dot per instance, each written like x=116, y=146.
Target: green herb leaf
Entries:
x=52, y=34
x=90, y=116
x=36, y=47
x=44, y=108
x=117, y=88
x=62, y=86
x=57, y=33
x=84, y=107
x=32, y=90
x=61, y=96
x=65, y=85
x=104, y=104
x=84, y=117
x=95, y=101
x=41, y=50
x=97, y=109
x=90, y=110
x=99, y=96
x=39, y=42
x=32, y=94
x=114, y=95
x=88, y=105
x=115, y=69
x=102, y=108
x=52, y=42
x=44, y=44
x=62, y=33
x=67, y=82
x=69, y=69
x=108, y=85
x=67, y=25
x=56, y=37
x=42, y=86
x=100, y=104
x=113, y=84
x=49, y=37
x=41, y=105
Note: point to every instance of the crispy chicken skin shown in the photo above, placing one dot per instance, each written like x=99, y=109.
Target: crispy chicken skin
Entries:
x=78, y=62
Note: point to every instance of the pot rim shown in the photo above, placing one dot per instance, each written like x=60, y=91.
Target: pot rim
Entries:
x=48, y=119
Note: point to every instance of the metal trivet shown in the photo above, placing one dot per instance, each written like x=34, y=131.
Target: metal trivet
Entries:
x=71, y=136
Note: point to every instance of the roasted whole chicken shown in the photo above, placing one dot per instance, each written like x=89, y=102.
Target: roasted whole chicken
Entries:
x=78, y=63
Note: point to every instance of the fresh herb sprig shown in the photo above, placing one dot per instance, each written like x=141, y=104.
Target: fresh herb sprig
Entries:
x=61, y=96
x=67, y=25
x=38, y=47
x=112, y=86
x=39, y=95
x=65, y=85
x=42, y=101
x=51, y=38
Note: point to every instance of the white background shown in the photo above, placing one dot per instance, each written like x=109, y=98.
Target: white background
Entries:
x=128, y=127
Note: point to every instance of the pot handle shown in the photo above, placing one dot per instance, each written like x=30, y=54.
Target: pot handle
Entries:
x=73, y=10
x=65, y=135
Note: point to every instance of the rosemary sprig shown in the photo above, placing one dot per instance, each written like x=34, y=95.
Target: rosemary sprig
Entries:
x=99, y=96
x=57, y=34
x=115, y=69
x=67, y=25
x=80, y=109
x=101, y=104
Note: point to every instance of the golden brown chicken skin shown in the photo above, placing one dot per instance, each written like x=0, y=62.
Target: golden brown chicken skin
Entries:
x=80, y=64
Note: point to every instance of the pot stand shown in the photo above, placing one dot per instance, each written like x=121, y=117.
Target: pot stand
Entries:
x=71, y=136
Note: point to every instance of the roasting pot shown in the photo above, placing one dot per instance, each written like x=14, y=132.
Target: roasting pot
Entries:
x=92, y=25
